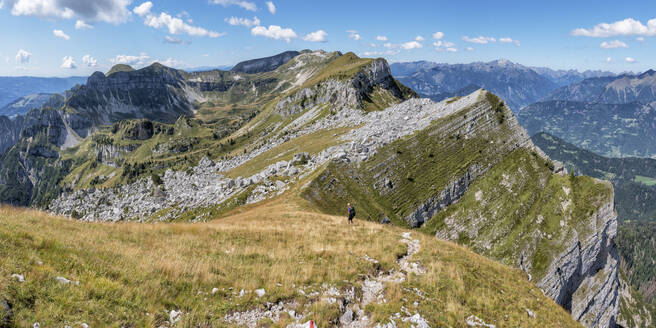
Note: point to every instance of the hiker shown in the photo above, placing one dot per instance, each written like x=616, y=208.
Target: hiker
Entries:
x=351, y=213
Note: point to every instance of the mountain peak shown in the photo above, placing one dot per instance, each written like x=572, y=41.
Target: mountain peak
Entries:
x=119, y=68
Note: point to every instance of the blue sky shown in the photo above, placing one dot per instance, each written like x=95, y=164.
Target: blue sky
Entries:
x=77, y=37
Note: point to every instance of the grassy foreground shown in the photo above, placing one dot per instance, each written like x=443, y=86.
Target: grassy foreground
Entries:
x=131, y=274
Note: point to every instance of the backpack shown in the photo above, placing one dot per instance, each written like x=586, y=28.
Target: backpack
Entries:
x=352, y=212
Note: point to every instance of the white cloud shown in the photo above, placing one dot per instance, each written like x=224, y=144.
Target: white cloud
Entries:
x=61, y=34
x=89, y=61
x=353, y=35
x=451, y=50
x=411, y=45
x=470, y=49
x=68, y=63
x=419, y=38
x=381, y=38
x=438, y=35
x=23, y=57
x=274, y=32
x=110, y=11
x=318, y=36
x=380, y=53
x=244, y=4
x=509, y=40
x=630, y=60
x=445, y=44
x=479, y=40
x=81, y=25
x=271, y=7
x=173, y=40
x=130, y=60
x=640, y=39
x=608, y=59
x=613, y=44
x=628, y=26
x=143, y=9
x=238, y=21
x=177, y=26
x=170, y=62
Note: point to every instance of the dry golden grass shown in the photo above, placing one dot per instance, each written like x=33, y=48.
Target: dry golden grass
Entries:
x=130, y=274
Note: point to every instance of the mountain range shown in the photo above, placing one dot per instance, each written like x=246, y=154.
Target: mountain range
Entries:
x=274, y=144
x=518, y=85
x=612, y=116
x=13, y=88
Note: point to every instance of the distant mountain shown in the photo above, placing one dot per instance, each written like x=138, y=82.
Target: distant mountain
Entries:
x=622, y=89
x=209, y=68
x=612, y=116
x=409, y=68
x=265, y=64
x=12, y=88
x=24, y=104
x=566, y=77
x=518, y=85
x=615, y=130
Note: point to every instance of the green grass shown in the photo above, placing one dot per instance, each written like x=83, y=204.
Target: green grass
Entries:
x=311, y=143
x=418, y=166
x=131, y=274
x=645, y=180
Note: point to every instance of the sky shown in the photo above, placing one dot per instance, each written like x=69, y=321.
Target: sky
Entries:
x=78, y=37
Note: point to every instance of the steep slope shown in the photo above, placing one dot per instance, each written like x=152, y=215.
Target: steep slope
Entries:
x=272, y=265
x=633, y=178
x=516, y=84
x=9, y=132
x=634, y=201
x=458, y=179
x=613, y=130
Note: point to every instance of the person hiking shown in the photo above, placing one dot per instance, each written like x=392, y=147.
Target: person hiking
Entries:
x=351, y=213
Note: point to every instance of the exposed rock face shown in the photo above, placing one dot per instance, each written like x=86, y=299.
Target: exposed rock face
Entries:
x=448, y=196
x=347, y=93
x=584, y=278
x=9, y=132
x=155, y=92
x=265, y=64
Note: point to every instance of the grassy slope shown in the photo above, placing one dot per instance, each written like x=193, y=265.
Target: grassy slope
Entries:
x=418, y=166
x=132, y=273
x=516, y=198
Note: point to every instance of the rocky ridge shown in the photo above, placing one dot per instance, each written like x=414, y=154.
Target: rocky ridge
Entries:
x=205, y=185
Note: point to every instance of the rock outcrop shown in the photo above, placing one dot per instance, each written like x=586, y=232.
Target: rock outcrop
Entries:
x=338, y=94
x=584, y=277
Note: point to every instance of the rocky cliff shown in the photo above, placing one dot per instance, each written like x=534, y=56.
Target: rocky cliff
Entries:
x=155, y=92
x=460, y=178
